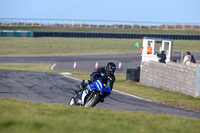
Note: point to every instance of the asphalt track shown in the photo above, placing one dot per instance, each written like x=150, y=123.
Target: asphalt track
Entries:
x=56, y=88
x=85, y=62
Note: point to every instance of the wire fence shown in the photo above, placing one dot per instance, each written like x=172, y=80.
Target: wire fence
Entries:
x=31, y=22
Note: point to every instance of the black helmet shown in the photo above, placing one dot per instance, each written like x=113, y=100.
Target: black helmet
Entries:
x=110, y=67
x=188, y=53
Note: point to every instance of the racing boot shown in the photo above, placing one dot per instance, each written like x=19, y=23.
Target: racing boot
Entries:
x=83, y=85
x=102, y=100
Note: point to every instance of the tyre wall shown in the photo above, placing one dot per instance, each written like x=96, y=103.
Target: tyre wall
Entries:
x=114, y=35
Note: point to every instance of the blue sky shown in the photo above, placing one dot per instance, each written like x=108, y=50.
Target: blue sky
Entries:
x=186, y=11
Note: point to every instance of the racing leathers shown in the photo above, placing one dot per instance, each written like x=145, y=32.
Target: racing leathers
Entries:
x=108, y=79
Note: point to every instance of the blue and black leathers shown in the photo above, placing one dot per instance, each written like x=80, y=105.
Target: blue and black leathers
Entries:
x=108, y=79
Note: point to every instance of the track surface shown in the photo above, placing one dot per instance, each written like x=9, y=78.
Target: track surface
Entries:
x=55, y=88
x=85, y=62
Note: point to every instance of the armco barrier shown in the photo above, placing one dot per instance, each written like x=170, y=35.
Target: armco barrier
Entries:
x=114, y=35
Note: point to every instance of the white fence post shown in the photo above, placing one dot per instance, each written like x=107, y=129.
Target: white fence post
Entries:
x=175, y=26
x=192, y=26
x=64, y=23
x=2, y=22
x=167, y=26
x=111, y=23
x=81, y=24
x=89, y=23
x=40, y=22
x=10, y=22
x=72, y=23
x=17, y=22
x=149, y=27
x=25, y=22
x=157, y=26
x=32, y=22
x=98, y=24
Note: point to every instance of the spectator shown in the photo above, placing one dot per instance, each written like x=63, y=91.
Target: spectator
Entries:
x=157, y=54
x=163, y=57
x=192, y=59
x=187, y=58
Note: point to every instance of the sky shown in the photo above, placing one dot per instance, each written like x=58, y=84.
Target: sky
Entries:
x=184, y=11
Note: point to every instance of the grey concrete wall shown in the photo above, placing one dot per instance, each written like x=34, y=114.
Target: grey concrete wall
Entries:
x=171, y=76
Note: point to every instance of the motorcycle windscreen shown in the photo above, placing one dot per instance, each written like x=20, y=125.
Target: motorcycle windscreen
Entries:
x=96, y=85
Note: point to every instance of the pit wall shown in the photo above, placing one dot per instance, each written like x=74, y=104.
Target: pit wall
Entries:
x=172, y=77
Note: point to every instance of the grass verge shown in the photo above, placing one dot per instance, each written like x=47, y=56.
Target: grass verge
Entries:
x=67, y=46
x=22, y=116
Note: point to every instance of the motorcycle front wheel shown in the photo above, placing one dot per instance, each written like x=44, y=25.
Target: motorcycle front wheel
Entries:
x=93, y=99
x=72, y=100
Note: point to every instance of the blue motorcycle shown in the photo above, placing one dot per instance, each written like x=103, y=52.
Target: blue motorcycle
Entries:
x=92, y=94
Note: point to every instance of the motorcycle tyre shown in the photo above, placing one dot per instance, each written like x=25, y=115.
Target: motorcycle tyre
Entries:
x=71, y=102
x=93, y=99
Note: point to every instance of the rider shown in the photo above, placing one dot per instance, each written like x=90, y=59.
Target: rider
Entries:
x=106, y=73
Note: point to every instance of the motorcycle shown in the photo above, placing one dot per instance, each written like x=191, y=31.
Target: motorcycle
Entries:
x=91, y=94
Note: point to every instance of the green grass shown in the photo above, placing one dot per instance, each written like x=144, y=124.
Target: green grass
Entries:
x=26, y=67
x=64, y=46
x=21, y=116
x=67, y=46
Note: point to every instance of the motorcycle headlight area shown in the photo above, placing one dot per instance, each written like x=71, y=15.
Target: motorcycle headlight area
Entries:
x=97, y=85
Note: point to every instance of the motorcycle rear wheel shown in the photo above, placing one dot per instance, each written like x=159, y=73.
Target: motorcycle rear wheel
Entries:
x=93, y=99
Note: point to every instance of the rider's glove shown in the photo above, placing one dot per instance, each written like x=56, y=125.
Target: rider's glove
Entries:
x=92, y=79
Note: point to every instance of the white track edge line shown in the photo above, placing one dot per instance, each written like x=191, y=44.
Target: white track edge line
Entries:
x=113, y=89
x=65, y=75
x=131, y=95
x=53, y=66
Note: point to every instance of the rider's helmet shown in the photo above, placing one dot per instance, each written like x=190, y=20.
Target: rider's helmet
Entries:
x=110, y=68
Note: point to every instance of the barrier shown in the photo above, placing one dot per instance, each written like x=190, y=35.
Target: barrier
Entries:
x=133, y=74
x=5, y=33
x=172, y=76
x=114, y=35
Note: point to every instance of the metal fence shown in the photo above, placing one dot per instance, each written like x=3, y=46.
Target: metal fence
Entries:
x=31, y=22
